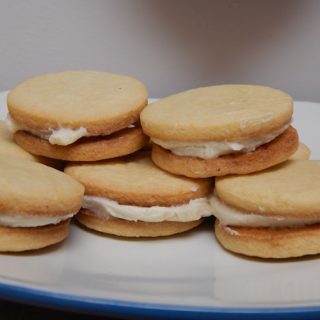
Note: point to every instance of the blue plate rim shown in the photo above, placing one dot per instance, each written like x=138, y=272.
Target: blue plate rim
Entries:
x=110, y=307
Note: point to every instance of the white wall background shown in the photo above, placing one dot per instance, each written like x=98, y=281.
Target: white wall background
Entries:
x=171, y=45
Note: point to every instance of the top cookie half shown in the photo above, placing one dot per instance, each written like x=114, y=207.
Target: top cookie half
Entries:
x=100, y=102
x=290, y=189
x=33, y=189
x=224, y=112
x=137, y=181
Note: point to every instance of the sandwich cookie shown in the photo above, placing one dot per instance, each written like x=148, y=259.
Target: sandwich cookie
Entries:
x=134, y=198
x=303, y=153
x=270, y=214
x=78, y=115
x=36, y=204
x=221, y=130
x=9, y=148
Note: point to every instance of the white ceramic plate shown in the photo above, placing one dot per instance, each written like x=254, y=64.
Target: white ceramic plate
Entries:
x=186, y=276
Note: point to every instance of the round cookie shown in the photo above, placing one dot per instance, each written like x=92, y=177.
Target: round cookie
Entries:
x=99, y=101
x=217, y=113
x=36, y=204
x=220, y=123
x=132, y=197
x=68, y=107
x=270, y=214
x=270, y=243
x=289, y=189
x=9, y=148
x=303, y=153
x=25, y=239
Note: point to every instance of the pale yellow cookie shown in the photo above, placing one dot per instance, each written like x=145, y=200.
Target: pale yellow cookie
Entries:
x=226, y=112
x=9, y=148
x=35, y=197
x=137, y=181
x=25, y=239
x=291, y=189
x=29, y=188
x=270, y=243
x=133, y=197
x=274, y=213
x=220, y=130
x=78, y=115
x=101, y=102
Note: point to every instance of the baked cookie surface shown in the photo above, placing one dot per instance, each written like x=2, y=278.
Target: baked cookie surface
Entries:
x=29, y=188
x=225, y=112
x=32, y=238
x=289, y=189
x=8, y=147
x=135, y=180
x=133, y=197
x=78, y=115
x=101, y=102
x=36, y=204
x=221, y=130
x=270, y=243
x=270, y=214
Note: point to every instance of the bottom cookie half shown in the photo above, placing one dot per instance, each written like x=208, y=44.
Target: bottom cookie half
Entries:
x=267, y=155
x=118, y=144
x=270, y=243
x=125, y=228
x=24, y=239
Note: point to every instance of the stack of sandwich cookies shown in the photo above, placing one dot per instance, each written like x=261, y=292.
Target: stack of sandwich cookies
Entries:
x=221, y=130
x=78, y=115
x=270, y=214
x=133, y=198
x=9, y=148
x=36, y=204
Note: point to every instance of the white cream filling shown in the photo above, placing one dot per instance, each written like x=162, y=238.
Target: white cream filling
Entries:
x=61, y=136
x=214, y=149
x=104, y=208
x=19, y=220
x=229, y=216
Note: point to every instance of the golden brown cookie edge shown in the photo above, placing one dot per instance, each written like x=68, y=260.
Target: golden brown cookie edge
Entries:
x=125, y=228
x=267, y=155
x=276, y=243
x=26, y=239
x=98, y=148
